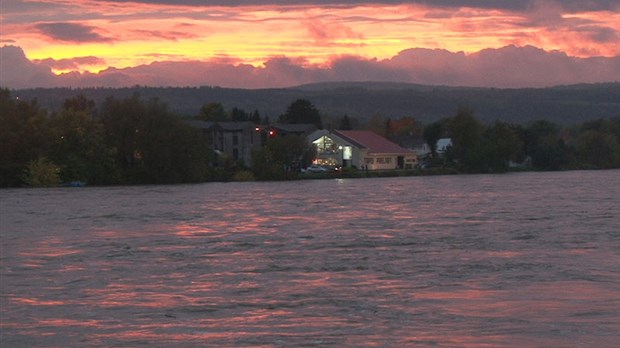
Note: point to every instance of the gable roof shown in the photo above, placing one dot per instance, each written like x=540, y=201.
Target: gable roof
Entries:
x=199, y=124
x=297, y=128
x=236, y=126
x=219, y=126
x=371, y=141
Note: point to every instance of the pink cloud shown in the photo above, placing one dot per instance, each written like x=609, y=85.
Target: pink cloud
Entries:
x=324, y=32
x=507, y=67
x=70, y=63
x=166, y=35
x=16, y=71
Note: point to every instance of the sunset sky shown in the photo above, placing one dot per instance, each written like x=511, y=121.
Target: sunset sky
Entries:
x=261, y=43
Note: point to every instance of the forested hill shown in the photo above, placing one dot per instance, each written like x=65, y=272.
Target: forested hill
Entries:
x=362, y=100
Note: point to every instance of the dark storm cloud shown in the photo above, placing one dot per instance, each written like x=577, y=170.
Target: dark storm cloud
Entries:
x=71, y=32
x=18, y=6
x=514, y=5
x=25, y=12
x=600, y=34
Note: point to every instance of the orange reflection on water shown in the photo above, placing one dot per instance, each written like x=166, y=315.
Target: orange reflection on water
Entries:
x=466, y=294
x=48, y=247
x=138, y=296
x=64, y=322
x=37, y=302
x=198, y=337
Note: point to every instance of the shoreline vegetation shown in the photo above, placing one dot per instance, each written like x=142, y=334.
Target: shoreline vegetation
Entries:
x=130, y=141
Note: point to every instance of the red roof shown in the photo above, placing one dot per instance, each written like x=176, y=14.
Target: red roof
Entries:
x=371, y=141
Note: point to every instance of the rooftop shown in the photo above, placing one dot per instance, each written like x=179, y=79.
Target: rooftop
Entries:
x=371, y=141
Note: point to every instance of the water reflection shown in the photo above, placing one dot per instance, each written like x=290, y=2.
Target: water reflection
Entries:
x=436, y=262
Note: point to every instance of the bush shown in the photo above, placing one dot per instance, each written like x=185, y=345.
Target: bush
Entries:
x=42, y=173
x=243, y=175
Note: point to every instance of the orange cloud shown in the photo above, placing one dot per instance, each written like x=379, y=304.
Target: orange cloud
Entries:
x=70, y=64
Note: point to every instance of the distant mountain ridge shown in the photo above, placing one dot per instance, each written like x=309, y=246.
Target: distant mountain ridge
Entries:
x=362, y=100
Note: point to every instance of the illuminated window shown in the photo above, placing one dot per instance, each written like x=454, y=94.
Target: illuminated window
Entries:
x=347, y=153
x=325, y=145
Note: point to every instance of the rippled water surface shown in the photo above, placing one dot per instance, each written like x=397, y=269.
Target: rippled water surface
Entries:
x=515, y=260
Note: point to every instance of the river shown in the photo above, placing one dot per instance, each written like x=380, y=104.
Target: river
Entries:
x=512, y=260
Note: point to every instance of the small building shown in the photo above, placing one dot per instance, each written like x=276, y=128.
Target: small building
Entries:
x=234, y=140
x=442, y=145
x=360, y=149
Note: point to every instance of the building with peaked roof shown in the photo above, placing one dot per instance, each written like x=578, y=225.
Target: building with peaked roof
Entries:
x=293, y=128
x=360, y=149
x=234, y=140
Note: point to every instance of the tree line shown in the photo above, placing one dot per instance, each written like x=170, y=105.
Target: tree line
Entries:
x=477, y=147
x=133, y=141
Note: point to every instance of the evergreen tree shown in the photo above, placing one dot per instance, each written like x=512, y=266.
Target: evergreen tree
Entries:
x=24, y=136
x=345, y=123
x=213, y=112
x=302, y=111
x=467, y=149
x=79, y=146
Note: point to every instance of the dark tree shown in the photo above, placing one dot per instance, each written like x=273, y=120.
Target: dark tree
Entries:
x=24, y=136
x=282, y=157
x=545, y=145
x=598, y=144
x=79, y=146
x=80, y=104
x=467, y=148
x=432, y=133
x=502, y=146
x=154, y=146
x=377, y=124
x=255, y=117
x=238, y=115
x=345, y=123
x=302, y=111
x=213, y=112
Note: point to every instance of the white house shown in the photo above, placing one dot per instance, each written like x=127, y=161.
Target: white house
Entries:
x=360, y=149
x=443, y=144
